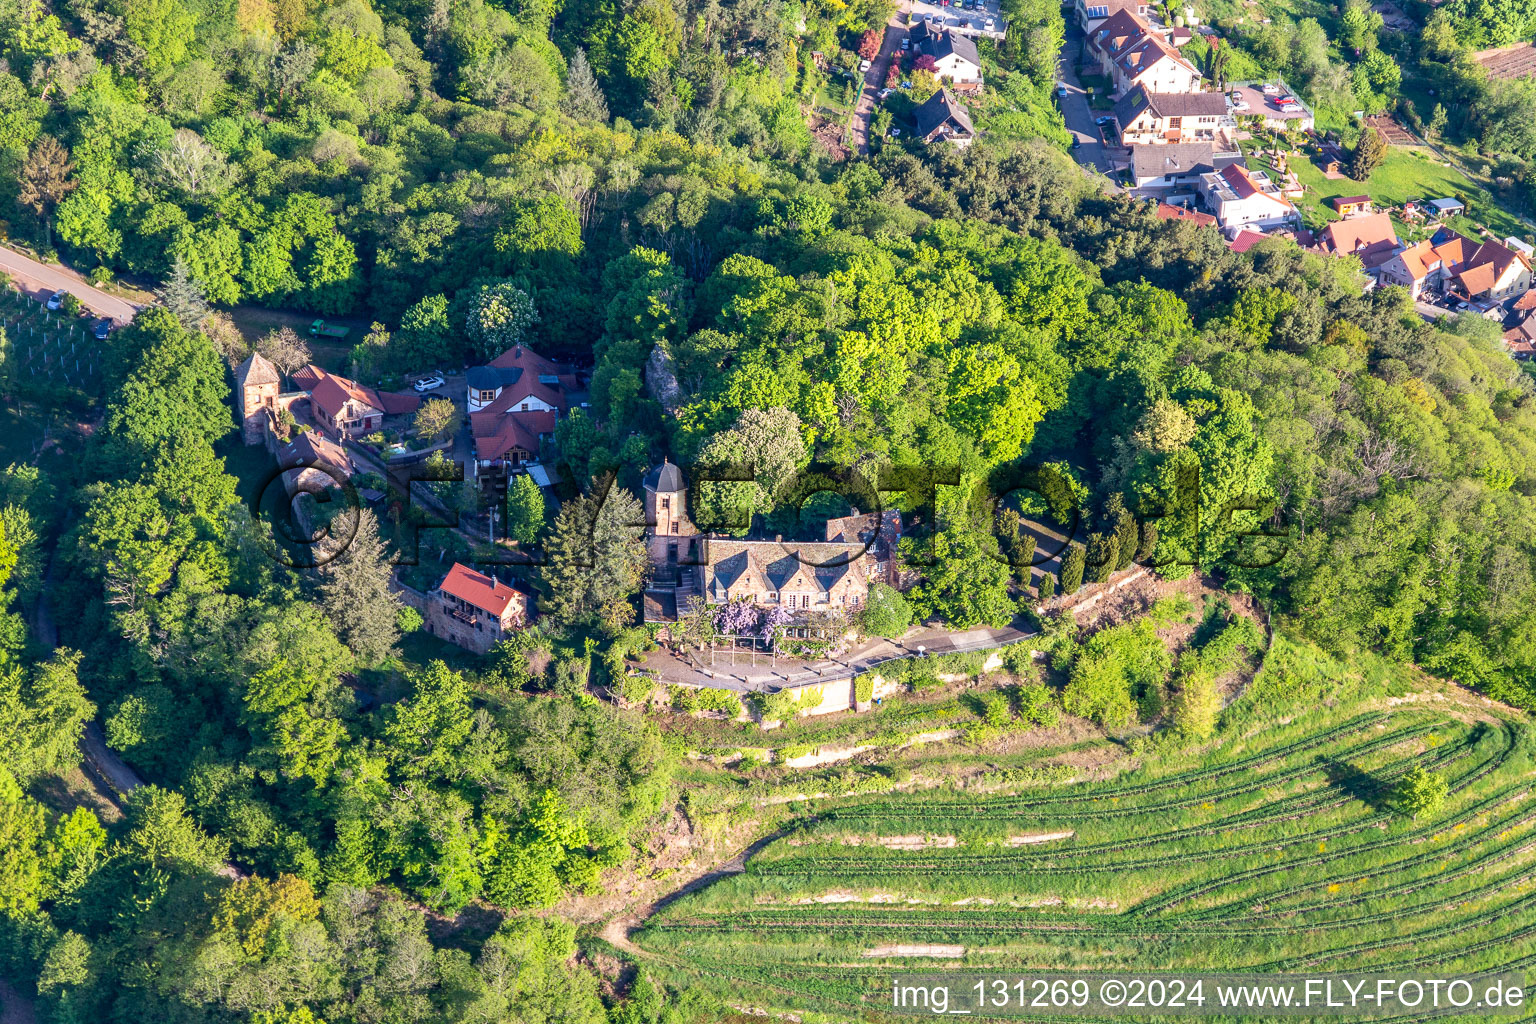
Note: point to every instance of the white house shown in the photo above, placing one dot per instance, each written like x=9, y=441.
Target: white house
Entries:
x=1241, y=198
x=1132, y=53
x=1157, y=118
x=955, y=58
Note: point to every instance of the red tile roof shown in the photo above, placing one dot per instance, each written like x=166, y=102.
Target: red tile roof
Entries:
x=478, y=590
x=499, y=433
x=1246, y=240
x=1166, y=211
x=1355, y=234
x=329, y=392
x=1526, y=301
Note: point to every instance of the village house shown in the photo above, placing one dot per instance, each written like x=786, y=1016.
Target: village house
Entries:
x=257, y=386
x=473, y=610
x=1132, y=54
x=514, y=402
x=1492, y=272
x=955, y=58
x=1241, y=198
x=1371, y=237
x=1424, y=266
x=942, y=119
x=1182, y=163
x=348, y=409
x=1091, y=13
x=1156, y=118
x=806, y=577
x=1520, y=337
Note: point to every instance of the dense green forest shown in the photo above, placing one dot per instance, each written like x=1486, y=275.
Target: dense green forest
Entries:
x=322, y=800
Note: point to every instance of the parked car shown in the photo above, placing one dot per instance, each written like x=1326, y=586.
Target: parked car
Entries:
x=428, y=384
x=883, y=93
x=1076, y=142
x=1106, y=119
x=906, y=44
x=1238, y=103
x=103, y=328
x=863, y=65
x=56, y=300
x=1061, y=89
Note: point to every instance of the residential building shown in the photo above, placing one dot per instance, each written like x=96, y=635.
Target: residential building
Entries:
x=1178, y=163
x=514, y=402
x=474, y=610
x=1241, y=198
x=1245, y=240
x=1492, y=272
x=1091, y=13
x=257, y=386
x=1157, y=118
x=1371, y=237
x=347, y=408
x=806, y=577
x=1426, y=265
x=1133, y=54
x=942, y=119
x=955, y=58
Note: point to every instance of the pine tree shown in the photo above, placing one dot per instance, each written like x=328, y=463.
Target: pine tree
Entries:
x=525, y=510
x=184, y=296
x=44, y=181
x=1369, y=152
x=583, y=96
x=596, y=560
x=355, y=594
x=1072, y=567
x=1103, y=552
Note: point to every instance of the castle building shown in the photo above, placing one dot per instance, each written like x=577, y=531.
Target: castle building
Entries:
x=256, y=389
x=806, y=577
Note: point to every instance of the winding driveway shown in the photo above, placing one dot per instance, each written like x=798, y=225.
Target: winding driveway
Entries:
x=40, y=280
x=874, y=78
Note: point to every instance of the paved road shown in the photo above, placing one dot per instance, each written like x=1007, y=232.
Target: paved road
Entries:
x=874, y=78
x=39, y=279
x=1076, y=112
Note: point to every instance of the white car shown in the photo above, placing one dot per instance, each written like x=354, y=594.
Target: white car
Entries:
x=863, y=65
x=882, y=94
x=428, y=384
x=56, y=300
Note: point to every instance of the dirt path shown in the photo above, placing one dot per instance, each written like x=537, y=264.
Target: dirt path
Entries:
x=874, y=78
x=42, y=279
x=616, y=930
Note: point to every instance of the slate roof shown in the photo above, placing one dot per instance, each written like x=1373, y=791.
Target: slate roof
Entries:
x=940, y=43
x=665, y=477
x=313, y=448
x=940, y=109
x=1176, y=158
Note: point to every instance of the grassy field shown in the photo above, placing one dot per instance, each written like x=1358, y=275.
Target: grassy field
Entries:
x=1272, y=848
x=1406, y=173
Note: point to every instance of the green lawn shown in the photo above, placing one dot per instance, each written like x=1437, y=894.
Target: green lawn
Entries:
x=1406, y=173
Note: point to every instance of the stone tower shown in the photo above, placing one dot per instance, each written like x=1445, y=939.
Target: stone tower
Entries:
x=666, y=515
x=256, y=388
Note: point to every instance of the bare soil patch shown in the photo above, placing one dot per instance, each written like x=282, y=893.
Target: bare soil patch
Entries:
x=905, y=949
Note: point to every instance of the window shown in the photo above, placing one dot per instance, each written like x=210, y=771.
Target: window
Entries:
x=523, y=407
x=674, y=526
x=1175, y=122
x=666, y=504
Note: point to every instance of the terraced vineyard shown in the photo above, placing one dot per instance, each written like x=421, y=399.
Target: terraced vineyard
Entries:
x=1278, y=852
